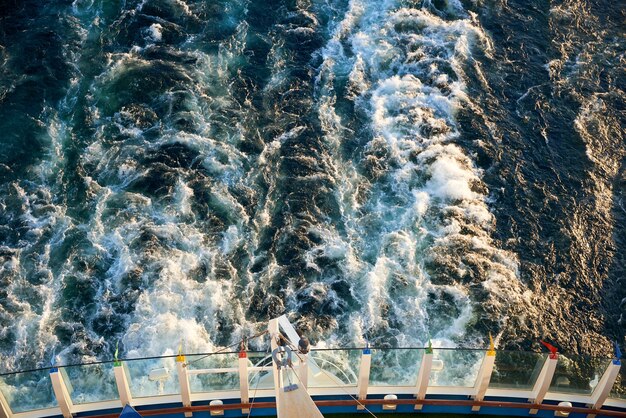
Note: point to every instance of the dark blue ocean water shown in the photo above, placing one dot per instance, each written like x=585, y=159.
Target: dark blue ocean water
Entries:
x=382, y=171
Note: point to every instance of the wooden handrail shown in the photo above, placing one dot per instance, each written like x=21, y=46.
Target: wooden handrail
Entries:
x=352, y=402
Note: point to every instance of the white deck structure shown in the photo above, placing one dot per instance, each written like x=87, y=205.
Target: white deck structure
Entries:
x=417, y=376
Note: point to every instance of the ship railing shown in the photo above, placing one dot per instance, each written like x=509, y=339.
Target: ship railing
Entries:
x=359, y=372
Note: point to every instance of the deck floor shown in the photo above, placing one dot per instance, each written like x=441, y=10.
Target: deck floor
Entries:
x=297, y=403
x=403, y=415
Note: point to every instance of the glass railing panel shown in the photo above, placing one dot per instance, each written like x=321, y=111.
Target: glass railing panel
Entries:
x=334, y=368
x=28, y=391
x=152, y=377
x=516, y=369
x=395, y=367
x=619, y=388
x=90, y=383
x=260, y=379
x=212, y=382
x=452, y=367
x=577, y=374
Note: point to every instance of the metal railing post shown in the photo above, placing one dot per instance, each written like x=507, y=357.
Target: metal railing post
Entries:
x=183, y=381
x=543, y=381
x=122, y=384
x=303, y=370
x=484, y=375
x=424, y=375
x=364, y=375
x=60, y=392
x=603, y=389
x=243, y=380
x=274, y=332
x=5, y=409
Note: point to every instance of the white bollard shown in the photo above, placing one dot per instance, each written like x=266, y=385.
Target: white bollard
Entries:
x=563, y=413
x=390, y=406
x=216, y=412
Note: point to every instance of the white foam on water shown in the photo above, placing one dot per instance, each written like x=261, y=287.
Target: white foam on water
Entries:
x=155, y=32
x=189, y=285
x=405, y=71
x=177, y=303
x=422, y=202
x=34, y=287
x=33, y=311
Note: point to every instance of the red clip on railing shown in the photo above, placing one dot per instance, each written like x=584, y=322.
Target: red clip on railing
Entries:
x=553, y=350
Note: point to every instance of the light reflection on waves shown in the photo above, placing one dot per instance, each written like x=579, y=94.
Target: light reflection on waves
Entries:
x=206, y=194
x=418, y=243
x=158, y=216
x=184, y=249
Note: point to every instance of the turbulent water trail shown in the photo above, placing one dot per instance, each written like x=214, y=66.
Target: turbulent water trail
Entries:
x=184, y=170
x=416, y=239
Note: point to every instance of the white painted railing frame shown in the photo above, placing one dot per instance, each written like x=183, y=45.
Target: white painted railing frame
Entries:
x=423, y=377
x=60, y=392
x=243, y=380
x=484, y=377
x=62, y=386
x=274, y=331
x=364, y=375
x=122, y=384
x=213, y=371
x=303, y=369
x=183, y=382
x=604, y=386
x=326, y=391
x=543, y=381
x=291, y=332
x=5, y=409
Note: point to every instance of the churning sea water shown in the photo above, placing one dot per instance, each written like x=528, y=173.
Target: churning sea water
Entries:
x=380, y=170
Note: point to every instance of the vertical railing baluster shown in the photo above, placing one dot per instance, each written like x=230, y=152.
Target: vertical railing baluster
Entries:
x=243, y=380
x=303, y=370
x=484, y=375
x=60, y=392
x=603, y=389
x=543, y=381
x=424, y=375
x=5, y=409
x=183, y=381
x=123, y=388
x=364, y=375
x=274, y=333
